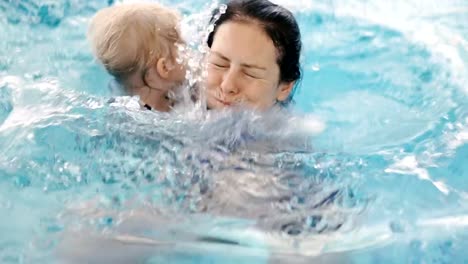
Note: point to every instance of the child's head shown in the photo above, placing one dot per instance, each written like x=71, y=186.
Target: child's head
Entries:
x=137, y=44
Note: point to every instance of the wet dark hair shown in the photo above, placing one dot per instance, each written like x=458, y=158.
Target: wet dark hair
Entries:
x=277, y=22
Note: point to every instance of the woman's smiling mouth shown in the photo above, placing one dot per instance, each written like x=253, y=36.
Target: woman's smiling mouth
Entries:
x=224, y=102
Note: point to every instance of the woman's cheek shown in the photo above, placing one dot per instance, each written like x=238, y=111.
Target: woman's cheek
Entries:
x=212, y=79
x=260, y=97
x=255, y=92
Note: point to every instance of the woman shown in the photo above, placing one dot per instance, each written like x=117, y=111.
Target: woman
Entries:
x=254, y=55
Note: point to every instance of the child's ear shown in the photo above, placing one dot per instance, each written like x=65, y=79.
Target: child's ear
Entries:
x=163, y=67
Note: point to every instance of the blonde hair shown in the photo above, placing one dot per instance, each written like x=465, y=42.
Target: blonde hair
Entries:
x=128, y=38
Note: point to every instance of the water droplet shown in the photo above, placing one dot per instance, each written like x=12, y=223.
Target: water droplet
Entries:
x=315, y=67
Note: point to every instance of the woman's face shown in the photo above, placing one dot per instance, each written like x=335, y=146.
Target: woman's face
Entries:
x=242, y=68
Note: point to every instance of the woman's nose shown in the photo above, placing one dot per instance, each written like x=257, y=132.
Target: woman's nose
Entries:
x=229, y=82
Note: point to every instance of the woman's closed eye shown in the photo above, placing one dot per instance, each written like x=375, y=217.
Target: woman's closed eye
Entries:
x=252, y=75
x=220, y=65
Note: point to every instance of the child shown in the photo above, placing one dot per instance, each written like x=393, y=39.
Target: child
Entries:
x=138, y=45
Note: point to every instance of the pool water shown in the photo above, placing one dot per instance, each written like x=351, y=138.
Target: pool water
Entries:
x=83, y=180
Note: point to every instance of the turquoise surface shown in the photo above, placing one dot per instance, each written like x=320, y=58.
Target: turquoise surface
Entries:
x=388, y=79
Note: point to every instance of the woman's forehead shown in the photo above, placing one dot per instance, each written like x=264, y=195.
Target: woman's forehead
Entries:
x=245, y=42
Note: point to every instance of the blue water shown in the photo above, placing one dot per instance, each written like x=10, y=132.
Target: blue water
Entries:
x=385, y=182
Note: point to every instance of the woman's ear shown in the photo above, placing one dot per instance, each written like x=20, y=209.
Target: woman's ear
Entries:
x=284, y=90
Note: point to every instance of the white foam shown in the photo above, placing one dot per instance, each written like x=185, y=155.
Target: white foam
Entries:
x=310, y=125
x=410, y=166
x=451, y=221
x=459, y=139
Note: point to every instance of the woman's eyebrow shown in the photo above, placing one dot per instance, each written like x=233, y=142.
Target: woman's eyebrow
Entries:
x=221, y=56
